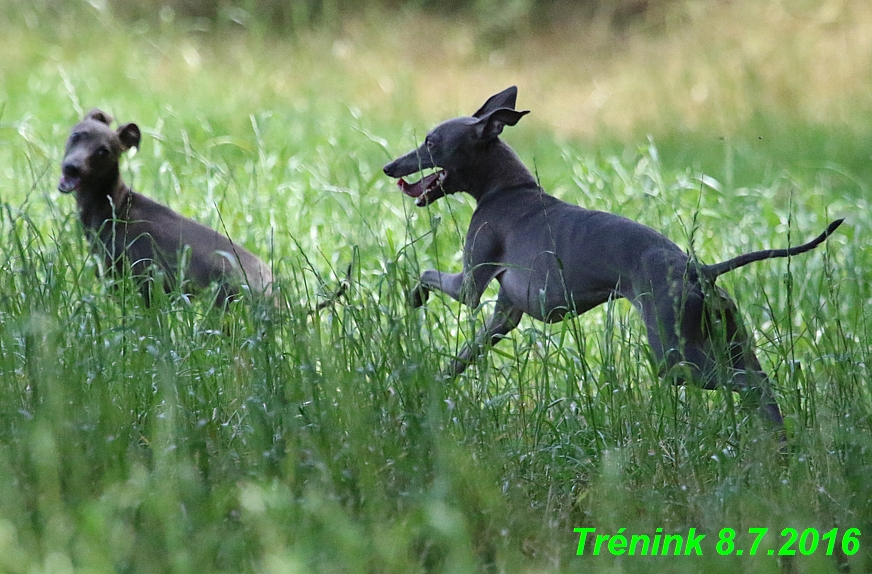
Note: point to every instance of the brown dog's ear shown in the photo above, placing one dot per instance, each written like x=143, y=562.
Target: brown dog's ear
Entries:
x=129, y=135
x=98, y=115
x=492, y=124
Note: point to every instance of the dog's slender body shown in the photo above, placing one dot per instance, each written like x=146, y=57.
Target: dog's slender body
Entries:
x=129, y=229
x=552, y=258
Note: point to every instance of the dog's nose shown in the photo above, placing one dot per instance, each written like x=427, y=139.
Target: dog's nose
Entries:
x=71, y=170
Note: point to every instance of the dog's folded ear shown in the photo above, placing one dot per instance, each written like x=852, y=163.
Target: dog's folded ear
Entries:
x=505, y=99
x=492, y=124
x=129, y=135
x=99, y=116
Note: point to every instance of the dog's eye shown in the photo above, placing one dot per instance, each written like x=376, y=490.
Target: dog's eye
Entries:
x=102, y=151
x=430, y=144
x=74, y=138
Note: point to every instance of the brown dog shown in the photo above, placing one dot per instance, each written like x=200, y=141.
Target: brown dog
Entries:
x=130, y=229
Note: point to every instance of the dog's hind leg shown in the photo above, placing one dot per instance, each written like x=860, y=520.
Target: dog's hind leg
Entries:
x=504, y=318
x=695, y=332
x=673, y=322
x=749, y=380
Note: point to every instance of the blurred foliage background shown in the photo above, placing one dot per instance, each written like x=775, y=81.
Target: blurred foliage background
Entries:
x=490, y=15
x=713, y=82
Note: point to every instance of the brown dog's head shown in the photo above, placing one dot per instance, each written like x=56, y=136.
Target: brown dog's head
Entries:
x=93, y=148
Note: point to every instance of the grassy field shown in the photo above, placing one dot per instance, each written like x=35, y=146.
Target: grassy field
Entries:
x=171, y=440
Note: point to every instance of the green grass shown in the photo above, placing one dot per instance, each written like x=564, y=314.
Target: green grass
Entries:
x=169, y=439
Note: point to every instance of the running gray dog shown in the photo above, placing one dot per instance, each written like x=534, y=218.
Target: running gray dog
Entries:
x=552, y=259
x=129, y=229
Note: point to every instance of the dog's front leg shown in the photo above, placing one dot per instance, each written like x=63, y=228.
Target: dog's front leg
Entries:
x=449, y=283
x=480, y=266
x=466, y=287
x=505, y=318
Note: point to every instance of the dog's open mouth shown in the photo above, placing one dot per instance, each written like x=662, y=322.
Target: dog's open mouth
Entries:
x=68, y=183
x=425, y=190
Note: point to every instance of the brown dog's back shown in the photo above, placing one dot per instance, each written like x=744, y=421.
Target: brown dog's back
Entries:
x=151, y=233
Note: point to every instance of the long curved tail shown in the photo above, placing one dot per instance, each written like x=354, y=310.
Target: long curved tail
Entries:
x=713, y=271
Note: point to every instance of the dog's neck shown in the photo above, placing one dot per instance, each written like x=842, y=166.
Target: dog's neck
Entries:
x=103, y=200
x=499, y=169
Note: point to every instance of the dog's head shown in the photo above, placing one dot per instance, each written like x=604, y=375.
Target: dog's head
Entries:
x=452, y=149
x=92, y=152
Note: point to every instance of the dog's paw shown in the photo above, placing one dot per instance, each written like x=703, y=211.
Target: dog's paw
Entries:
x=418, y=296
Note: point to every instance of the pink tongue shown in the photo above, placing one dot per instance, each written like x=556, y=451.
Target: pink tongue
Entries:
x=411, y=189
x=418, y=188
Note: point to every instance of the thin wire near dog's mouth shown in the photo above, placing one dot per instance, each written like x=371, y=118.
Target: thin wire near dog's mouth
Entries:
x=421, y=189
